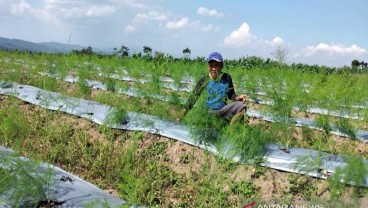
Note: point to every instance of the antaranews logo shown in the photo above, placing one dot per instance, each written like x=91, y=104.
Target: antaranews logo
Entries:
x=253, y=205
x=249, y=205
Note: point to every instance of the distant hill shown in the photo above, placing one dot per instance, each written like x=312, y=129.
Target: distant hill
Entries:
x=47, y=47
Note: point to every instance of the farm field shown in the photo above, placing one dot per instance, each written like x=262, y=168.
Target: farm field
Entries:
x=150, y=169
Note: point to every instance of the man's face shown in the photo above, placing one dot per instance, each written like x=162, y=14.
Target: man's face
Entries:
x=214, y=68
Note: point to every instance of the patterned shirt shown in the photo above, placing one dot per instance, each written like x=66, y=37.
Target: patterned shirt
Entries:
x=217, y=92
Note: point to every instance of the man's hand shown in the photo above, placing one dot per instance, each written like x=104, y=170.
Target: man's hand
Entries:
x=242, y=98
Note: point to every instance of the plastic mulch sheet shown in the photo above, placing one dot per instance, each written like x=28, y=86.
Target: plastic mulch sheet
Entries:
x=59, y=187
x=359, y=134
x=276, y=157
x=168, y=84
x=190, y=81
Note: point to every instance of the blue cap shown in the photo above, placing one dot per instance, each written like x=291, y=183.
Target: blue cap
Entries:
x=215, y=57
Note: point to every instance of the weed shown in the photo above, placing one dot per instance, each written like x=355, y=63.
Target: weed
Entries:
x=353, y=173
x=258, y=169
x=131, y=187
x=48, y=83
x=110, y=85
x=116, y=116
x=244, y=188
x=175, y=99
x=302, y=185
x=83, y=88
x=307, y=135
x=345, y=126
x=157, y=148
x=13, y=126
x=323, y=123
x=228, y=165
x=285, y=198
x=104, y=204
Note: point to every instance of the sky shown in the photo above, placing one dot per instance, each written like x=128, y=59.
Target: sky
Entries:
x=323, y=32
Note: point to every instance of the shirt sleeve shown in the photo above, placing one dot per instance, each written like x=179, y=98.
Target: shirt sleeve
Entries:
x=195, y=93
x=231, y=91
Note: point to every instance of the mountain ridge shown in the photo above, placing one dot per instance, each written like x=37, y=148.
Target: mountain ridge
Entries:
x=46, y=47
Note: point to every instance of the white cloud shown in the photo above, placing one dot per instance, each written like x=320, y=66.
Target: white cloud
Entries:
x=206, y=28
x=174, y=25
x=131, y=4
x=244, y=38
x=55, y=10
x=25, y=9
x=130, y=29
x=198, y=26
x=151, y=15
x=21, y=7
x=145, y=18
x=184, y=22
x=333, y=49
x=278, y=41
x=100, y=10
x=149, y=18
x=208, y=12
x=330, y=54
x=62, y=10
x=240, y=37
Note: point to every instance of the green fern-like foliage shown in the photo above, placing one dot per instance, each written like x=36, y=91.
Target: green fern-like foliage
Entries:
x=22, y=182
x=116, y=116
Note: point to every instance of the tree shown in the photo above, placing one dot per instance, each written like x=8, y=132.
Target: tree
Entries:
x=159, y=55
x=137, y=55
x=87, y=51
x=186, y=52
x=363, y=64
x=124, y=51
x=355, y=63
x=147, y=51
x=280, y=54
x=84, y=51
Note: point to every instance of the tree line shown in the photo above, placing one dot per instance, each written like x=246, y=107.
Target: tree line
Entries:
x=247, y=63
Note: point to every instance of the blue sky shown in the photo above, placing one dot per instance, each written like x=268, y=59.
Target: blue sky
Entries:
x=324, y=32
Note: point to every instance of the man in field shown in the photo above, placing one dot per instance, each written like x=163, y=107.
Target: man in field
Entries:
x=218, y=88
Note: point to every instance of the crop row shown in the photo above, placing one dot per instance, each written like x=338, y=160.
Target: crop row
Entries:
x=304, y=161
x=337, y=130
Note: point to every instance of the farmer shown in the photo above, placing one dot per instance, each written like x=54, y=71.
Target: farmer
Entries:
x=219, y=88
